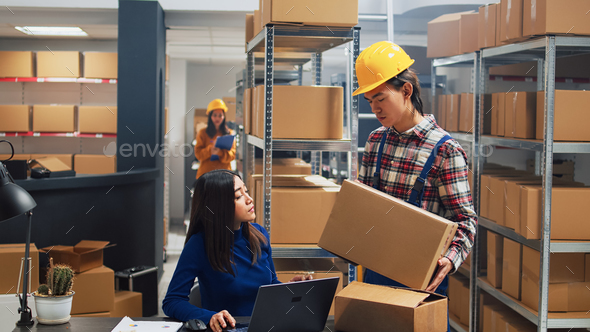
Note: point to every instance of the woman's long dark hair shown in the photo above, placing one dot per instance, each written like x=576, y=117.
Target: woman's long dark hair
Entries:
x=213, y=213
x=211, y=130
x=409, y=76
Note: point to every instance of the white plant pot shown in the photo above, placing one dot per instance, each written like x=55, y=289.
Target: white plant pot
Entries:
x=53, y=310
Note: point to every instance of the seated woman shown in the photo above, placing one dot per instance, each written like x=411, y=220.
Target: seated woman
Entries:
x=230, y=256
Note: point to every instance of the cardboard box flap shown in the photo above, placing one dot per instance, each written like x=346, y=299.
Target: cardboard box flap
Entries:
x=51, y=163
x=57, y=248
x=85, y=246
x=450, y=17
x=401, y=297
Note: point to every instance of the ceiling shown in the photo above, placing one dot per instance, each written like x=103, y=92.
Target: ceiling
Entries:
x=211, y=37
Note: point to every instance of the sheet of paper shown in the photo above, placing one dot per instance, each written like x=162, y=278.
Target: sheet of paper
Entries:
x=129, y=325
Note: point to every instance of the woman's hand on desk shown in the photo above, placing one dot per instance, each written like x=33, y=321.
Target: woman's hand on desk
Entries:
x=302, y=278
x=218, y=321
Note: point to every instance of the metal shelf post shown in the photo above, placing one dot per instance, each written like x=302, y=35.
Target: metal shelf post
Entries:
x=268, y=87
x=316, y=70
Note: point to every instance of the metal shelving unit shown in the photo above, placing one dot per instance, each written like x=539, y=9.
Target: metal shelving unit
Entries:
x=292, y=45
x=544, y=50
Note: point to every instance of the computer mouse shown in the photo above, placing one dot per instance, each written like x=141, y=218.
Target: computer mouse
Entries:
x=195, y=325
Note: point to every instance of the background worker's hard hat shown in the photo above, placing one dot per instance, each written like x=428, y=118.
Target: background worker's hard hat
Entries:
x=378, y=64
x=216, y=104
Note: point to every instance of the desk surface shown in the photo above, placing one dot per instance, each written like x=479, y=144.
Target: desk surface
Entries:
x=106, y=324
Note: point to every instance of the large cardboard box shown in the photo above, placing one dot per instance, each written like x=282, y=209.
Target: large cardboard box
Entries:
x=58, y=64
x=286, y=269
x=366, y=307
x=309, y=12
x=468, y=38
x=498, y=203
x=127, y=303
x=521, y=111
x=257, y=23
x=567, y=218
x=512, y=268
x=487, y=193
x=487, y=26
x=84, y=256
x=452, y=112
x=444, y=35
x=292, y=224
x=569, y=115
x=495, y=258
x=94, y=164
x=247, y=111
x=11, y=257
x=563, y=267
x=16, y=64
x=249, y=29
x=490, y=316
x=95, y=291
x=498, y=113
x=54, y=118
x=499, y=42
x=294, y=106
x=365, y=221
x=15, y=118
x=97, y=119
x=511, y=20
x=549, y=17
x=285, y=166
x=100, y=65
x=67, y=159
x=466, y=113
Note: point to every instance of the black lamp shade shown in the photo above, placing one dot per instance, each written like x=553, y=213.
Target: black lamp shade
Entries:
x=14, y=200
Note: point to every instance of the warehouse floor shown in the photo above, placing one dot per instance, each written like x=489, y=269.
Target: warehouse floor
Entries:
x=176, y=237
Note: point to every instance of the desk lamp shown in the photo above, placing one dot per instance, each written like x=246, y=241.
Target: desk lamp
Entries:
x=15, y=201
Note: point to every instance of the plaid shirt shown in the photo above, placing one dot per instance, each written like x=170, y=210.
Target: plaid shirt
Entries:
x=446, y=191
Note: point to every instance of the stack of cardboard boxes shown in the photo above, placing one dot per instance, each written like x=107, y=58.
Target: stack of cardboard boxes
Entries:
x=454, y=113
x=502, y=23
x=94, y=283
x=81, y=163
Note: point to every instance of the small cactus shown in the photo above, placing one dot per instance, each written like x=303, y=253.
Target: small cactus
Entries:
x=59, y=278
x=43, y=290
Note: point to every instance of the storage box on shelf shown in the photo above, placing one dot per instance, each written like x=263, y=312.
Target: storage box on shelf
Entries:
x=545, y=17
x=16, y=64
x=487, y=26
x=307, y=12
x=100, y=65
x=569, y=115
x=15, y=118
x=445, y=32
x=54, y=118
x=97, y=119
x=58, y=64
x=94, y=164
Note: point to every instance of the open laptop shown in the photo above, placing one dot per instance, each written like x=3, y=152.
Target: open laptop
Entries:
x=292, y=307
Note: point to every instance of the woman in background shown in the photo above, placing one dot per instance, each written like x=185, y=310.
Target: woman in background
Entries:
x=207, y=137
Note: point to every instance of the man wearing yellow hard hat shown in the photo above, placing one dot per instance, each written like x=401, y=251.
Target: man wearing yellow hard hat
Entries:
x=410, y=157
x=207, y=137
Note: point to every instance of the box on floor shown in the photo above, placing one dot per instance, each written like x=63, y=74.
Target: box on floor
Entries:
x=308, y=12
x=15, y=118
x=100, y=65
x=94, y=164
x=286, y=269
x=360, y=209
x=58, y=64
x=11, y=257
x=127, y=303
x=97, y=119
x=54, y=118
x=16, y=64
x=95, y=291
x=294, y=106
x=366, y=307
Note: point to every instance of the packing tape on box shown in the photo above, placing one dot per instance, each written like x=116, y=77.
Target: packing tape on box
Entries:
x=509, y=5
x=514, y=113
x=486, y=16
x=533, y=15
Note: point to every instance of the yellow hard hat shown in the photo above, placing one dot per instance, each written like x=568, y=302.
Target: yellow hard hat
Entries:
x=379, y=63
x=216, y=104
